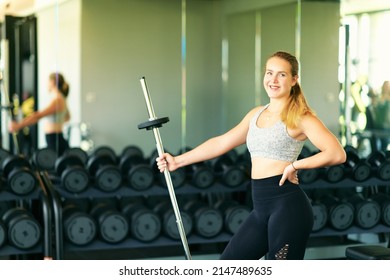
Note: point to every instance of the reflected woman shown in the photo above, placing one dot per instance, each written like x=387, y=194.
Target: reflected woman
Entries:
x=56, y=114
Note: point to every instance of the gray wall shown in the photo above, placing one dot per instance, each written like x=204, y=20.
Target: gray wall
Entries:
x=122, y=42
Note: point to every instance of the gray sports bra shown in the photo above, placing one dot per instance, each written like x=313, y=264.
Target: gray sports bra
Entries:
x=272, y=142
x=58, y=117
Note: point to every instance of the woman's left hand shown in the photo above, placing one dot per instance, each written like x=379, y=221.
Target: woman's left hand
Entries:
x=290, y=174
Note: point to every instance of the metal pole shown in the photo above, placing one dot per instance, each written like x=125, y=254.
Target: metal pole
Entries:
x=167, y=174
x=9, y=108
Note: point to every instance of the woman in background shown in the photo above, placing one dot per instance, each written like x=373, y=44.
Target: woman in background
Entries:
x=56, y=114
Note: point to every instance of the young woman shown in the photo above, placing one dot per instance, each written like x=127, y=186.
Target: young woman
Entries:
x=56, y=114
x=281, y=221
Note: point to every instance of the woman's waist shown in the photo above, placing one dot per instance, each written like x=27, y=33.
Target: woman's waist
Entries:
x=265, y=168
x=268, y=188
x=51, y=128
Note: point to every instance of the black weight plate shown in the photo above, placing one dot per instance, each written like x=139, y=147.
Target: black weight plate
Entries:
x=113, y=228
x=233, y=177
x=78, y=152
x=22, y=181
x=67, y=161
x=234, y=217
x=334, y=173
x=307, y=176
x=105, y=150
x=385, y=213
x=12, y=162
x=3, y=154
x=129, y=160
x=362, y=172
x=208, y=222
x=170, y=225
x=341, y=216
x=24, y=233
x=132, y=150
x=203, y=178
x=178, y=178
x=368, y=214
x=3, y=234
x=140, y=177
x=108, y=178
x=80, y=229
x=44, y=159
x=145, y=225
x=153, y=123
x=97, y=161
x=384, y=171
x=75, y=179
x=320, y=214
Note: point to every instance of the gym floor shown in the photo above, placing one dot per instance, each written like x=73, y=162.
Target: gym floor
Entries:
x=328, y=248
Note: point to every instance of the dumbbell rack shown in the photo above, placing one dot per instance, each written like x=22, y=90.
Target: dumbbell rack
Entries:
x=44, y=246
x=347, y=183
x=58, y=193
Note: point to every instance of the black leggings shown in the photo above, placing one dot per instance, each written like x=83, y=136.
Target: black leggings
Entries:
x=57, y=142
x=278, y=227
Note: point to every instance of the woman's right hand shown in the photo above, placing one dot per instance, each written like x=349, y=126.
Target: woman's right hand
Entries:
x=166, y=160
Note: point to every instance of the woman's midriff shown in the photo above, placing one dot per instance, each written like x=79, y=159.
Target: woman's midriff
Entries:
x=53, y=127
x=264, y=167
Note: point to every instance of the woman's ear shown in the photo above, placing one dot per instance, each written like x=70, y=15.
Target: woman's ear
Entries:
x=295, y=80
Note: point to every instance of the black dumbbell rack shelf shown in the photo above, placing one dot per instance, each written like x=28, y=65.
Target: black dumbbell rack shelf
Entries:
x=380, y=228
x=131, y=243
x=7, y=195
x=346, y=182
x=126, y=191
x=8, y=250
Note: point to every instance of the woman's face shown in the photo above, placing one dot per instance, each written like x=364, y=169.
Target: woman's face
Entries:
x=278, y=78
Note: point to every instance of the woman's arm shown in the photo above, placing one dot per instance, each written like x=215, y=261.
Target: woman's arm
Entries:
x=211, y=148
x=54, y=106
x=330, y=150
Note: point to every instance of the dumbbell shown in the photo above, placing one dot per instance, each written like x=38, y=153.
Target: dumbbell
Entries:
x=230, y=174
x=320, y=214
x=359, y=169
x=23, y=230
x=44, y=159
x=79, y=226
x=169, y=226
x=384, y=202
x=340, y=213
x=138, y=174
x=21, y=180
x=77, y=151
x=244, y=161
x=113, y=226
x=200, y=175
x=145, y=224
x=208, y=221
x=3, y=234
x=234, y=214
x=307, y=176
x=380, y=164
x=178, y=176
x=366, y=211
x=103, y=168
x=73, y=174
x=334, y=173
x=4, y=206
